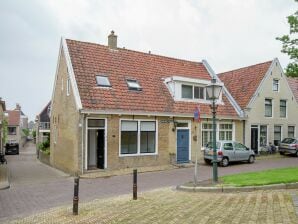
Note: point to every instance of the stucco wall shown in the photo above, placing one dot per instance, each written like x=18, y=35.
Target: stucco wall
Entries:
x=256, y=112
x=65, y=130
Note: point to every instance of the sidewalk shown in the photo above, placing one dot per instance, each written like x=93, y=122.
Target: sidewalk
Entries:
x=4, y=177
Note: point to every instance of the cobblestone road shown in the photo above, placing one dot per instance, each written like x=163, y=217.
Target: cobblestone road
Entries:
x=169, y=206
x=36, y=187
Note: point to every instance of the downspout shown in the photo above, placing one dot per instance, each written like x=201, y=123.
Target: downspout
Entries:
x=82, y=141
x=243, y=131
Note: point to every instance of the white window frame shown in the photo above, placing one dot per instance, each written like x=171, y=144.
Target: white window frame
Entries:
x=294, y=130
x=139, y=138
x=286, y=109
x=272, y=106
x=105, y=128
x=103, y=76
x=275, y=84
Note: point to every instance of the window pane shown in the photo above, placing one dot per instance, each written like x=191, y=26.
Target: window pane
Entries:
x=96, y=123
x=283, y=108
x=148, y=126
x=277, y=135
x=221, y=135
x=147, y=142
x=133, y=84
x=129, y=142
x=182, y=125
x=186, y=92
x=102, y=81
x=198, y=92
x=275, y=85
x=268, y=107
x=228, y=146
x=129, y=126
x=291, y=131
x=263, y=135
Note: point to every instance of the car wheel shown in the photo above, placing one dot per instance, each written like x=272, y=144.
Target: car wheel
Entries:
x=281, y=153
x=251, y=159
x=224, y=162
x=207, y=161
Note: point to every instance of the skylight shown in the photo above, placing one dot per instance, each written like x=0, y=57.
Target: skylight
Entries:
x=102, y=80
x=133, y=84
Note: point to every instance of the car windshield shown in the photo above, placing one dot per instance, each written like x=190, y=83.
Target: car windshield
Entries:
x=209, y=145
x=288, y=141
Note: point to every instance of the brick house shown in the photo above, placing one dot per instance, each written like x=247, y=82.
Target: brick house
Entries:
x=43, y=124
x=2, y=117
x=264, y=98
x=115, y=108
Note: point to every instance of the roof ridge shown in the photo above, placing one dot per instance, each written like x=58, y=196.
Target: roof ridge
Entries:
x=139, y=52
x=245, y=67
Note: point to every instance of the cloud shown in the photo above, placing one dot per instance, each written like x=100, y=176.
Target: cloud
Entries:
x=229, y=34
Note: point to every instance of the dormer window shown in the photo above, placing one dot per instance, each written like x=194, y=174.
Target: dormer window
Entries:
x=192, y=92
x=103, y=81
x=133, y=84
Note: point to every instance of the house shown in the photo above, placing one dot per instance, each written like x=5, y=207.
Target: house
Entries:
x=43, y=124
x=115, y=108
x=293, y=83
x=263, y=97
x=2, y=109
x=17, y=121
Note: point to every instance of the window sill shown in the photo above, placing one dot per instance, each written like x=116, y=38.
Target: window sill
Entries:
x=143, y=154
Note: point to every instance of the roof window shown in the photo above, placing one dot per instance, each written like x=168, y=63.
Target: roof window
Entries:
x=133, y=84
x=102, y=80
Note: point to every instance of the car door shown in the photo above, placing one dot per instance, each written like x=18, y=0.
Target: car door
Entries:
x=241, y=152
x=228, y=150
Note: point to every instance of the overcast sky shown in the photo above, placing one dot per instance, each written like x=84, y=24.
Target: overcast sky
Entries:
x=227, y=33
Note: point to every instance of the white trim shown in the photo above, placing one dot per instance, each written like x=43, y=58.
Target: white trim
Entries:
x=225, y=90
x=67, y=86
x=105, y=140
x=144, y=113
x=189, y=80
x=71, y=75
x=189, y=133
x=139, y=139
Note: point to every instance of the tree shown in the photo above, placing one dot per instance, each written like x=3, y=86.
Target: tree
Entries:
x=290, y=45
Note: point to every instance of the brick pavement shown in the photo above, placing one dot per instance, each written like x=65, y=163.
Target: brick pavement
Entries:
x=169, y=206
x=36, y=187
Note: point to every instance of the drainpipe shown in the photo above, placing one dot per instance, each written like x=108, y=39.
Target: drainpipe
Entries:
x=82, y=141
x=243, y=132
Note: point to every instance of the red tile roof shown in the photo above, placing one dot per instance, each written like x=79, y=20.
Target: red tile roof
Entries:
x=293, y=83
x=90, y=59
x=13, y=117
x=242, y=83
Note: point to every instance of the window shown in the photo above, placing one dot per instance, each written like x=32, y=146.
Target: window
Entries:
x=129, y=137
x=12, y=130
x=225, y=131
x=147, y=137
x=68, y=87
x=283, y=108
x=228, y=146
x=207, y=134
x=275, y=85
x=263, y=135
x=198, y=92
x=96, y=123
x=102, y=81
x=187, y=92
x=277, y=134
x=268, y=107
x=291, y=131
x=239, y=146
x=138, y=137
x=133, y=84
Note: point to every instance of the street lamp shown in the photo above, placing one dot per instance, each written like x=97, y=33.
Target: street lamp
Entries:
x=213, y=92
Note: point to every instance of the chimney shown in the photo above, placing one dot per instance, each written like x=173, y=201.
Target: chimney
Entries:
x=112, y=40
x=18, y=107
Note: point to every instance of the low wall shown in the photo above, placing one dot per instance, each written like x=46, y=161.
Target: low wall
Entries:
x=44, y=158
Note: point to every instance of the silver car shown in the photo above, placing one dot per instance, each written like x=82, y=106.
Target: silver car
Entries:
x=289, y=146
x=228, y=151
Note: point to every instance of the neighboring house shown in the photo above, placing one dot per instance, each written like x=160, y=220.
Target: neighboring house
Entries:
x=43, y=124
x=17, y=121
x=114, y=108
x=293, y=83
x=2, y=109
x=263, y=96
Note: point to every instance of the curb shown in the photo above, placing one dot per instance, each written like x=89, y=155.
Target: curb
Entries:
x=224, y=189
x=4, y=177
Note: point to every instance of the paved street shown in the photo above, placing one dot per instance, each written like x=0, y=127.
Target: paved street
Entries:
x=36, y=187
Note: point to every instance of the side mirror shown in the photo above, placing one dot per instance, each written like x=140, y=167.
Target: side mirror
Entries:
x=247, y=149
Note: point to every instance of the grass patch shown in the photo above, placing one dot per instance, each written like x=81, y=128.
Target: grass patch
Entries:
x=274, y=176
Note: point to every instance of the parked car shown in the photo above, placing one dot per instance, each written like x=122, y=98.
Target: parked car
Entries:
x=228, y=151
x=12, y=147
x=289, y=146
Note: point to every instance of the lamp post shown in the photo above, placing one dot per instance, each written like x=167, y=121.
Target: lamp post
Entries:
x=213, y=92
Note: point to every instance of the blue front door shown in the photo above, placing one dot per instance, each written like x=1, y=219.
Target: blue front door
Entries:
x=182, y=146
